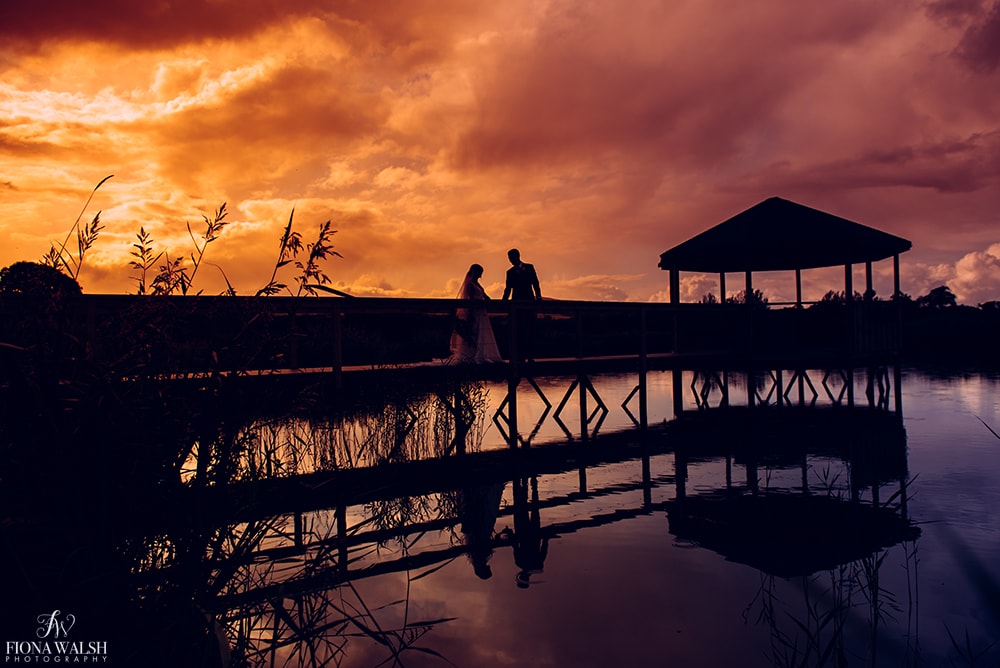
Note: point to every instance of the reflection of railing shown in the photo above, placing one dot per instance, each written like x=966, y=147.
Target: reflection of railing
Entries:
x=329, y=561
x=291, y=541
x=870, y=443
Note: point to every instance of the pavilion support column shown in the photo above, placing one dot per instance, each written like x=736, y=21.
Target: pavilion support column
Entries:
x=675, y=299
x=897, y=339
x=798, y=288
x=722, y=287
x=675, y=286
x=849, y=305
x=869, y=338
x=749, y=286
x=895, y=275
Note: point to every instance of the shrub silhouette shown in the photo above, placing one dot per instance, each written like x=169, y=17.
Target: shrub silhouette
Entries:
x=37, y=280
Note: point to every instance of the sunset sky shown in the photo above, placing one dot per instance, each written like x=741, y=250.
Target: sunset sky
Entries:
x=593, y=135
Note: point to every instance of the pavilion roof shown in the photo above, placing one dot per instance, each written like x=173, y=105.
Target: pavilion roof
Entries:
x=778, y=234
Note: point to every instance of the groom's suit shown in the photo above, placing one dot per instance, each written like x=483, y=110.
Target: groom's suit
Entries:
x=522, y=281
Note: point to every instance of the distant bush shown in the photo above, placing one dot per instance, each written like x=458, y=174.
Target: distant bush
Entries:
x=37, y=280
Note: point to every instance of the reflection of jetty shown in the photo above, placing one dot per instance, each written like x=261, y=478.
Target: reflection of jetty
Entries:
x=869, y=443
x=301, y=559
x=284, y=548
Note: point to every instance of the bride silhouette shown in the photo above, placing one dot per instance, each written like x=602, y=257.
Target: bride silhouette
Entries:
x=472, y=340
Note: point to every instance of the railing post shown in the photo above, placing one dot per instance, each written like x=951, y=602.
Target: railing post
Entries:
x=513, y=349
x=579, y=333
x=513, y=376
x=338, y=348
x=643, y=413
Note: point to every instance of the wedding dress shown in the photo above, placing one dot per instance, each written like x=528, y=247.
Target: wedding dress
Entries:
x=472, y=340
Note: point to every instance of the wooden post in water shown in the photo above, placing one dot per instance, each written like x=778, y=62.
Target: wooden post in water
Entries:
x=342, y=553
x=751, y=470
x=897, y=381
x=680, y=472
x=850, y=386
x=513, y=378
x=678, y=393
x=647, y=480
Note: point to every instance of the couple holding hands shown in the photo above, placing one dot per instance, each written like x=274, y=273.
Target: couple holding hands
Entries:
x=472, y=340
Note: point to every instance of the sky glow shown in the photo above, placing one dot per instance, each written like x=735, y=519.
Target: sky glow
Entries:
x=438, y=134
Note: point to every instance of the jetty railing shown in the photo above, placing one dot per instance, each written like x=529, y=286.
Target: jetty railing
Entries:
x=230, y=333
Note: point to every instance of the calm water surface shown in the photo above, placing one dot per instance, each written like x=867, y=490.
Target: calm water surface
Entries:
x=728, y=537
x=591, y=572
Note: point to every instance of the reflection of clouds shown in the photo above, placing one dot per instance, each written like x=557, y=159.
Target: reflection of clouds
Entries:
x=978, y=398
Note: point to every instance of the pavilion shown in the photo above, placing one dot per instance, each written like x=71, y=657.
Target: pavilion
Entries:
x=780, y=235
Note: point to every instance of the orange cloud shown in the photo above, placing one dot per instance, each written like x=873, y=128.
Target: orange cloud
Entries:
x=437, y=134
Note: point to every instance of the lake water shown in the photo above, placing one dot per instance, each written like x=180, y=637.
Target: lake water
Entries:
x=590, y=567
x=731, y=541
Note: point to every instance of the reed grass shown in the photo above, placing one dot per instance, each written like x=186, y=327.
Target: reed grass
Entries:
x=62, y=258
x=177, y=275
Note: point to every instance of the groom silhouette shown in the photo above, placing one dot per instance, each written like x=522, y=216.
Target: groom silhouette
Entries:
x=522, y=285
x=522, y=281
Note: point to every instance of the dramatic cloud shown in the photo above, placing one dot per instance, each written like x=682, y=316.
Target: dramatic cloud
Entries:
x=438, y=134
x=974, y=278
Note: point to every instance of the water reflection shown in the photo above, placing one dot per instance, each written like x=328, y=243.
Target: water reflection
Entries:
x=262, y=556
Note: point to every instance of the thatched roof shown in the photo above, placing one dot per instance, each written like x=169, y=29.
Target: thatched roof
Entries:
x=780, y=235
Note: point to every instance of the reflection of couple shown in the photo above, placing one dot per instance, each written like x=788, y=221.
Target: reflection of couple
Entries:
x=478, y=507
x=472, y=340
x=530, y=545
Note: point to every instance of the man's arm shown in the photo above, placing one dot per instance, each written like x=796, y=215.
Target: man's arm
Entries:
x=535, y=287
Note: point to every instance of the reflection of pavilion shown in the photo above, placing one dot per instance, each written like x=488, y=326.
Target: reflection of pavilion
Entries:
x=807, y=528
x=786, y=534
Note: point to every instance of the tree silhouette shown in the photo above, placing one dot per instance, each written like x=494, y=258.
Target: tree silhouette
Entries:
x=939, y=297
